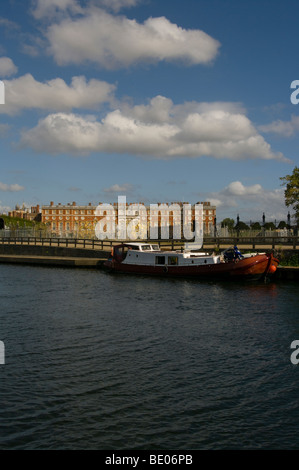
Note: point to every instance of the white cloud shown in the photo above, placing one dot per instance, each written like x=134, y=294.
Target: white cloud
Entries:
x=63, y=133
x=119, y=188
x=55, y=95
x=157, y=130
x=7, y=67
x=116, y=41
x=70, y=133
x=4, y=129
x=236, y=188
x=49, y=8
x=116, y=5
x=4, y=209
x=283, y=128
x=11, y=187
x=249, y=201
x=31, y=50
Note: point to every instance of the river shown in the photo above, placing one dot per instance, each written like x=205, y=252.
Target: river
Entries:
x=115, y=362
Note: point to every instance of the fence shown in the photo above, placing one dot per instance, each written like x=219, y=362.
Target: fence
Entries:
x=209, y=242
x=258, y=242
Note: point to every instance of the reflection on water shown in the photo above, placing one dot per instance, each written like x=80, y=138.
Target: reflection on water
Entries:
x=97, y=361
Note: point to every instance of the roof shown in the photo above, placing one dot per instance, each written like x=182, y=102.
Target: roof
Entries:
x=138, y=243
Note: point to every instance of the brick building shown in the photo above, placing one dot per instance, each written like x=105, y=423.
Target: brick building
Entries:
x=33, y=213
x=80, y=220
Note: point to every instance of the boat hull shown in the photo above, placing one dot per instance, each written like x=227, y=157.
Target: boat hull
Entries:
x=255, y=268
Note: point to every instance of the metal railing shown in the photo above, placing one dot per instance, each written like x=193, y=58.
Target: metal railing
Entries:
x=209, y=242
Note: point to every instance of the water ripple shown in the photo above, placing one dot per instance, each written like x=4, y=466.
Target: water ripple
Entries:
x=95, y=361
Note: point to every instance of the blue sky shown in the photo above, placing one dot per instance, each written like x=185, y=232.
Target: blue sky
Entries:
x=158, y=100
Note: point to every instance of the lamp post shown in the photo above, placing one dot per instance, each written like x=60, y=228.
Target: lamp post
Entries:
x=238, y=227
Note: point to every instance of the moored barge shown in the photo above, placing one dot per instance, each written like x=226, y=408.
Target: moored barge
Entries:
x=147, y=258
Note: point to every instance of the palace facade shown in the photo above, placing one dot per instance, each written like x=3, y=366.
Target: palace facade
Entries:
x=80, y=220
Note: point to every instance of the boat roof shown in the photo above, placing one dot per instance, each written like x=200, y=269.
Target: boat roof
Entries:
x=140, y=243
x=141, y=246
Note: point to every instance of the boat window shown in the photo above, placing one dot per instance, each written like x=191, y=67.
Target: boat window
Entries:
x=160, y=259
x=146, y=248
x=156, y=247
x=173, y=260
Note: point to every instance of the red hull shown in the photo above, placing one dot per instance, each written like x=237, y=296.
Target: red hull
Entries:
x=254, y=268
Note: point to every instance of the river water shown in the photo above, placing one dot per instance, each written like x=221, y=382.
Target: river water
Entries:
x=115, y=362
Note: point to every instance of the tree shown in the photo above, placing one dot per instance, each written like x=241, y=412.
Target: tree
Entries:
x=256, y=226
x=229, y=223
x=241, y=226
x=291, y=193
x=269, y=226
x=282, y=224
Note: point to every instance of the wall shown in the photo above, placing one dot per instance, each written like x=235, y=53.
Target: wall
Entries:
x=32, y=250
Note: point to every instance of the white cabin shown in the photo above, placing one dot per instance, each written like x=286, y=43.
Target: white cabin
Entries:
x=147, y=254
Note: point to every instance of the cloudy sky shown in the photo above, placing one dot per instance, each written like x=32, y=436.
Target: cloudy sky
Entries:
x=158, y=100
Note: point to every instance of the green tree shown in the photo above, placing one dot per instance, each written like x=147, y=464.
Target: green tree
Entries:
x=269, y=226
x=241, y=226
x=282, y=224
x=229, y=223
x=256, y=226
x=291, y=193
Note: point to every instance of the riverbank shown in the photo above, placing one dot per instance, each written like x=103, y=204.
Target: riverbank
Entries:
x=287, y=273
x=61, y=261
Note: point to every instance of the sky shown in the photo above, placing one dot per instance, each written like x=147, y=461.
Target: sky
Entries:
x=157, y=100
